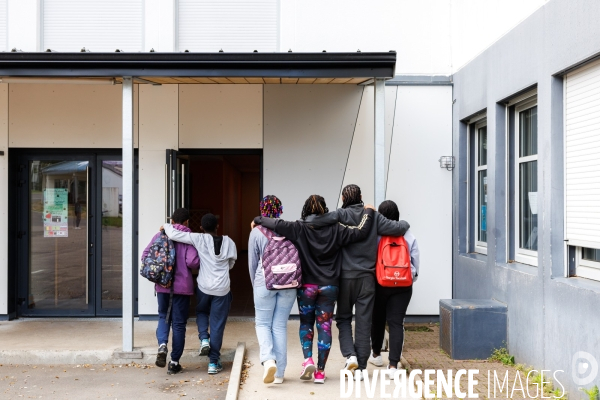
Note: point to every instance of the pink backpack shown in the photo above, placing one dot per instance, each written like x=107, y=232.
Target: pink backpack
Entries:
x=281, y=263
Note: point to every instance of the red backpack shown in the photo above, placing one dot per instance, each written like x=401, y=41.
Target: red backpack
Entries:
x=393, y=262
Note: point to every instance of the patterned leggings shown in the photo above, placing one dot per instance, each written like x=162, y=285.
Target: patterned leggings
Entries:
x=316, y=302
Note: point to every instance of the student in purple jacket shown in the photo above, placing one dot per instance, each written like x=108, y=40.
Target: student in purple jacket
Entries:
x=186, y=262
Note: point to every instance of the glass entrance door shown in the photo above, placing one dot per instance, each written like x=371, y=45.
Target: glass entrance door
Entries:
x=69, y=219
x=59, y=246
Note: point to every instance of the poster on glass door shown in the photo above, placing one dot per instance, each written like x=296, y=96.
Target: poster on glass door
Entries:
x=56, y=212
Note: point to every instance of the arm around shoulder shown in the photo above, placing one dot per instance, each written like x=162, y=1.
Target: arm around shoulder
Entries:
x=352, y=234
x=387, y=227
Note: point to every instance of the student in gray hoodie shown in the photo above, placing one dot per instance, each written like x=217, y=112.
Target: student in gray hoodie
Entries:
x=357, y=283
x=217, y=256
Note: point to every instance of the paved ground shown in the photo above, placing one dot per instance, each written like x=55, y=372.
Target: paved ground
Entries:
x=109, y=382
x=421, y=350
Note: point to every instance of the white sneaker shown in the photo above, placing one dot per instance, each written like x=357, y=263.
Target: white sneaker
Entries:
x=359, y=375
x=278, y=380
x=351, y=363
x=269, y=372
x=376, y=361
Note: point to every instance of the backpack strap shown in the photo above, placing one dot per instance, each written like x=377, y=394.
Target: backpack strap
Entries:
x=170, y=245
x=267, y=232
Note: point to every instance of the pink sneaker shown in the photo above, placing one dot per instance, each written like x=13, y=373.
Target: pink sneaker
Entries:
x=320, y=377
x=308, y=368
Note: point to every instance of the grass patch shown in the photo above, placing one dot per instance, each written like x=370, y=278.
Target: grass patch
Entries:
x=502, y=356
x=593, y=393
x=420, y=328
x=112, y=221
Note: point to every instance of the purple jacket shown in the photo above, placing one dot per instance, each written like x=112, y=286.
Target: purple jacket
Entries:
x=186, y=259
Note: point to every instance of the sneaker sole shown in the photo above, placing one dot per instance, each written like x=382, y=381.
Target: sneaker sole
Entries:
x=320, y=380
x=270, y=376
x=376, y=364
x=351, y=366
x=308, y=372
x=204, y=351
x=172, y=372
x=161, y=360
x=214, y=372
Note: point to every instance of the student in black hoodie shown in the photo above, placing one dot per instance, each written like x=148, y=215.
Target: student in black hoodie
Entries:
x=318, y=247
x=357, y=281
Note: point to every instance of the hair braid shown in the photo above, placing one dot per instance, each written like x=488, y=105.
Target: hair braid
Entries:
x=351, y=195
x=315, y=204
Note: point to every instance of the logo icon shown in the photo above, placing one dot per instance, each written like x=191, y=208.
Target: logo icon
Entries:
x=584, y=368
x=396, y=274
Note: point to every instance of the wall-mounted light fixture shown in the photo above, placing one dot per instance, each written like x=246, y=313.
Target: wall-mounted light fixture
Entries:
x=447, y=162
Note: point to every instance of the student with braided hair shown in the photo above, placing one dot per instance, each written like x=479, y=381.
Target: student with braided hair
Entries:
x=357, y=282
x=272, y=307
x=318, y=247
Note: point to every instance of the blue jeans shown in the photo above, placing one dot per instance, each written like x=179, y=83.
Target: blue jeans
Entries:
x=179, y=316
x=272, y=309
x=212, y=312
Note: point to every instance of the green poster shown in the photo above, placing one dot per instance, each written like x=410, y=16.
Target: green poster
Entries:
x=56, y=212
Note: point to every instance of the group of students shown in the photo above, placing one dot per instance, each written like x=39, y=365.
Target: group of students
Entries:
x=338, y=253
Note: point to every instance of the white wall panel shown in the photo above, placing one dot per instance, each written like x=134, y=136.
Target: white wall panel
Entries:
x=582, y=156
x=23, y=25
x=71, y=116
x=69, y=25
x=158, y=132
x=3, y=25
x=308, y=131
x=4, y=199
x=361, y=162
x=221, y=116
x=231, y=25
x=423, y=190
x=159, y=25
x=158, y=117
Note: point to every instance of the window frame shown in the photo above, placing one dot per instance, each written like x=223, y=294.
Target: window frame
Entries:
x=521, y=255
x=478, y=246
x=586, y=268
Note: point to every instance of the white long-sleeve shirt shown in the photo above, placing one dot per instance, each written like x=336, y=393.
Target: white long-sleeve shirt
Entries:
x=213, y=277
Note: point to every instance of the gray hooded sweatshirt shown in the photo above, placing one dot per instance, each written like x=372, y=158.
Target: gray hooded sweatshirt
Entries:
x=213, y=278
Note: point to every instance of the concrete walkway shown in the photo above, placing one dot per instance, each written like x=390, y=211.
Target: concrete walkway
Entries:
x=293, y=387
x=93, y=341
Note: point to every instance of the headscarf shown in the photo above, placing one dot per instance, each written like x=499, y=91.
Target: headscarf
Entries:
x=271, y=207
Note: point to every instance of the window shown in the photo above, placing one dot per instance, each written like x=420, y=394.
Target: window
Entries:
x=526, y=183
x=477, y=187
x=481, y=187
x=582, y=169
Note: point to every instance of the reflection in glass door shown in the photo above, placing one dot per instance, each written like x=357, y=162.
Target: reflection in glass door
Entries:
x=58, y=235
x=111, y=237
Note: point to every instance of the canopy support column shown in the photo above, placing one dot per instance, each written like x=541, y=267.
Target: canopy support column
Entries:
x=379, y=141
x=128, y=171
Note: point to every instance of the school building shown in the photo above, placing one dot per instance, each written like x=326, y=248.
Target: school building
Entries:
x=114, y=113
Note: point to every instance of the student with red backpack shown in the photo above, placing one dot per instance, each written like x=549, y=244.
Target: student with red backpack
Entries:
x=272, y=307
x=186, y=262
x=397, y=269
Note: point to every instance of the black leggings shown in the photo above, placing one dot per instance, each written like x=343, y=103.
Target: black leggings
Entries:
x=390, y=304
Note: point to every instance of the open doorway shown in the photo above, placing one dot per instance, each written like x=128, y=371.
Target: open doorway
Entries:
x=229, y=186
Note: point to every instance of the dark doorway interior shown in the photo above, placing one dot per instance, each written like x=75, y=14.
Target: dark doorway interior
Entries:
x=229, y=187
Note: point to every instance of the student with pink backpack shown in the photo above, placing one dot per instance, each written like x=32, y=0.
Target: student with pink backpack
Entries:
x=272, y=307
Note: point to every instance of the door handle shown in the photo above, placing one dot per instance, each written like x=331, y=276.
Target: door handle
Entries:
x=91, y=252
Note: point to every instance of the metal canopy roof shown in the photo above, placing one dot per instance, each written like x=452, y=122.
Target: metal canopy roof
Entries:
x=177, y=67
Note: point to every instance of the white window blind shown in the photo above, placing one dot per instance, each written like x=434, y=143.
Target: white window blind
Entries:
x=234, y=26
x=582, y=156
x=3, y=25
x=100, y=26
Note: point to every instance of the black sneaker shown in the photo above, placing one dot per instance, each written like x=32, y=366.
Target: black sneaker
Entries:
x=174, y=368
x=161, y=356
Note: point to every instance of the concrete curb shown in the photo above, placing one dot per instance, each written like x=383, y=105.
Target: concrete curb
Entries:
x=236, y=372
x=57, y=357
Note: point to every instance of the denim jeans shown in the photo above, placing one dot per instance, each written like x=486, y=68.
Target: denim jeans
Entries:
x=179, y=316
x=211, y=314
x=272, y=309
